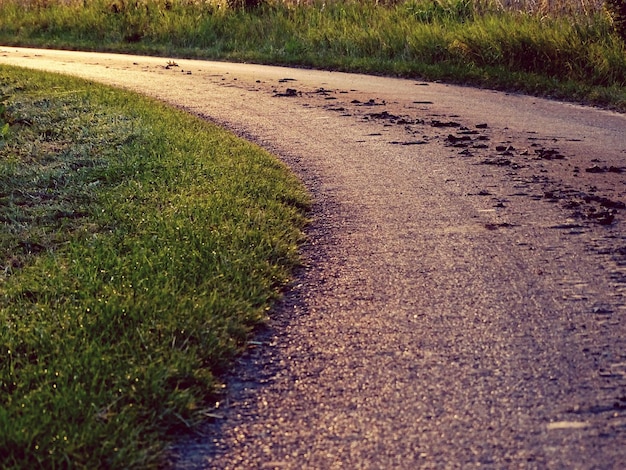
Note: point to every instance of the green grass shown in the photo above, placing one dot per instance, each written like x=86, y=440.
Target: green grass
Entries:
x=139, y=248
x=566, y=49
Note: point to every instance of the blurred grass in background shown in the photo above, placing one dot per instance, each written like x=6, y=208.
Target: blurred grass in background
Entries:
x=562, y=49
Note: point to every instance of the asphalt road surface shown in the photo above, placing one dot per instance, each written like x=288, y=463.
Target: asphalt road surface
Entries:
x=462, y=300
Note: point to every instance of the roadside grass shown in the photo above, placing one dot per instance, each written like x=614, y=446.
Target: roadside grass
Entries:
x=561, y=49
x=139, y=248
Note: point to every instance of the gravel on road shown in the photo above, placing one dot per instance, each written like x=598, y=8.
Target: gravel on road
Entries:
x=461, y=302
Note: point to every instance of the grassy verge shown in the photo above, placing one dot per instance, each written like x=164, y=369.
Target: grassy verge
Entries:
x=139, y=247
x=566, y=49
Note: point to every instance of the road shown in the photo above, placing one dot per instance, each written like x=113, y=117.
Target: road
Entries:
x=462, y=299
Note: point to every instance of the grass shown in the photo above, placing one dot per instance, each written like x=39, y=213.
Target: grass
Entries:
x=139, y=248
x=565, y=49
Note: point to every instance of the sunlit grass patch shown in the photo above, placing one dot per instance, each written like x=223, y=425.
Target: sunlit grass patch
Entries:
x=139, y=248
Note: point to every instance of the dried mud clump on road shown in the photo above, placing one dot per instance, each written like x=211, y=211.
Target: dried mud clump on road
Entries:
x=588, y=191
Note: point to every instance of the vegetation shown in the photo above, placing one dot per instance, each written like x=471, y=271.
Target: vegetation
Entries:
x=617, y=12
x=139, y=247
x=566, y=49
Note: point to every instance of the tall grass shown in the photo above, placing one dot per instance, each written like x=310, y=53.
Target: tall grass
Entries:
x=139, y=247
x=558, y=48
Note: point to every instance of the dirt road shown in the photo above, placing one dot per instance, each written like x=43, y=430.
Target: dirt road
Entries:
x=462, y=303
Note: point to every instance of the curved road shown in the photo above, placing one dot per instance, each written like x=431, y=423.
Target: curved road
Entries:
x=462, y=303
